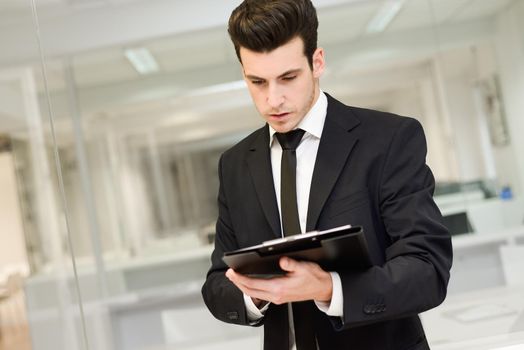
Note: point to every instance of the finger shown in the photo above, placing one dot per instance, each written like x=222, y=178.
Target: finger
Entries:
x=259, y=288
x=247, y=282
x=238, y=280
x=288, y=264
x=253, y=283
x=254, y=293
x=234, y=276
x=238, y=277
x=258, y=283
x=265, y=295
x=230, y=273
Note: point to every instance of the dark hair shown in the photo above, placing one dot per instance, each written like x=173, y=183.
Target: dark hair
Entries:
x=264, y=25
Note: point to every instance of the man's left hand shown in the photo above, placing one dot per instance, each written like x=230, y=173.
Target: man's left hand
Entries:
x=303, y=281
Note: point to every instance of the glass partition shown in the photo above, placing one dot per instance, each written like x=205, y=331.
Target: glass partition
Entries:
x=143, y=98
x=37, y=275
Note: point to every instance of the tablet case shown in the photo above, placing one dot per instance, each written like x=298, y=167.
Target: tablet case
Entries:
x=340, y=248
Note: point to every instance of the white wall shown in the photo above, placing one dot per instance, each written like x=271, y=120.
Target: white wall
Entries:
x=12, y=247
x=451, y=118
x=460, y=71
x=510, y=55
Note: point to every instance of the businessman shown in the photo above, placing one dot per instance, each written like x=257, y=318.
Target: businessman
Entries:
x=319, y=164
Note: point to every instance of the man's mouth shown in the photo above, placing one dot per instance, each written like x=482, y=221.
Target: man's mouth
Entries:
x=279, y=115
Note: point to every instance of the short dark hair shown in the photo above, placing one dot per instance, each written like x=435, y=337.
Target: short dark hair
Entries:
x=264, y=25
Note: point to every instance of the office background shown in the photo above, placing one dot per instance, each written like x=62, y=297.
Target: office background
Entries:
x=113, y=114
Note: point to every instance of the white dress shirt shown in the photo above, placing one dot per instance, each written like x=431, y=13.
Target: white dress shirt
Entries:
x=312, y=124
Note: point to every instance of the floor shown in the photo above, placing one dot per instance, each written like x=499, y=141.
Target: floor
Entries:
x=14, y=330
x=15, y=339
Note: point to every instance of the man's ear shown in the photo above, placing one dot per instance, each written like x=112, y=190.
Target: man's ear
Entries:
x=319, y=62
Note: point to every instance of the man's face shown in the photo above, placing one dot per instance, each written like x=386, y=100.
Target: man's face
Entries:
x=281, y=83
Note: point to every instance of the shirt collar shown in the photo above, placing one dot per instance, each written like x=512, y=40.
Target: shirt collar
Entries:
x=313, y=121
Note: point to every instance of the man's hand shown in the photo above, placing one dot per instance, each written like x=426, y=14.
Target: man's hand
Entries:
x=303, y=281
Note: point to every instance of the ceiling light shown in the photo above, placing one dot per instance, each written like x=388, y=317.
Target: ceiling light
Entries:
x=142, y=60
x=384, y=16
x=220, y=88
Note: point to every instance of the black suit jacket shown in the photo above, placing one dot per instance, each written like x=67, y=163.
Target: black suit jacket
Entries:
x=370, y=170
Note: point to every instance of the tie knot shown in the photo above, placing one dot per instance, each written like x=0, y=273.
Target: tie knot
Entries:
x=290, y=140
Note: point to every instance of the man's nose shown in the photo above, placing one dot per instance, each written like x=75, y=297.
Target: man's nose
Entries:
x=275, y=96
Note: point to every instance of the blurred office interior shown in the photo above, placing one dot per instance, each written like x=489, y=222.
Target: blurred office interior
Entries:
x=113, y=114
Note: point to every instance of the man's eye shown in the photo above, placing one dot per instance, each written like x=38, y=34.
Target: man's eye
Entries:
x=257, y=82
x=288, y=78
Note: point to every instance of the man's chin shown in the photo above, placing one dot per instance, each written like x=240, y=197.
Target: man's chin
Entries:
x=282, y=128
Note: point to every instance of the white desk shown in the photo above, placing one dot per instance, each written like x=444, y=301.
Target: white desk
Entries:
x=148, y=297
x=477, y=320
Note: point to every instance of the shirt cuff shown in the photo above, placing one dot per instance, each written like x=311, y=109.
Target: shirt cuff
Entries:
x=254, y=314
x=336, y=306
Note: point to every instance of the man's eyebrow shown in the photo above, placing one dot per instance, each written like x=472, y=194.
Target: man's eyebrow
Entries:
x=291, y=71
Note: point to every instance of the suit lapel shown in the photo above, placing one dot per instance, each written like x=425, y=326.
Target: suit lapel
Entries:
x=335, y=146
x=259, y=163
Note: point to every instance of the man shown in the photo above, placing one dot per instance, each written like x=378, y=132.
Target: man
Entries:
x=353, y=166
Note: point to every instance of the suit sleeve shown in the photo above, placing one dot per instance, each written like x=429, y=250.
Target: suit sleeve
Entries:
x=221, y=296
x=418, y=256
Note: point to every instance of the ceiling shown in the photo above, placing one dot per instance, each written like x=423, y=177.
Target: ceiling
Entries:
x=193, y=50
x=340, y=22
x=198, y=54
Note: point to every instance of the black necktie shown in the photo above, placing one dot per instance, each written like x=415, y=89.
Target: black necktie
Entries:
x=288, y=188
x=302, y=311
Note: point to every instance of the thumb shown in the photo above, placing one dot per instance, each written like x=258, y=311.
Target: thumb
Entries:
x=288, y=264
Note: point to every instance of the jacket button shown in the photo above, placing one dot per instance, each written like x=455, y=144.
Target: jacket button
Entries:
x=233, y=315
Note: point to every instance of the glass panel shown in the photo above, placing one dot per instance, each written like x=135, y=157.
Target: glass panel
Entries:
x=481, y=79
x=38, y=289
x=146, y=95
x=139, y=154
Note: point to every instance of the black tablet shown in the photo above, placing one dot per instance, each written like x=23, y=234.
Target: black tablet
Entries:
x=340, y=248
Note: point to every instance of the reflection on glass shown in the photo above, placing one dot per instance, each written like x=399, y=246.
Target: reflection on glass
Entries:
x=139, y=150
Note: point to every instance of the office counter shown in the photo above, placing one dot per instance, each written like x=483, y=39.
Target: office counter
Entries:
x=128, y=315
x=152, y=303
x=477, y=320
x=485, y=304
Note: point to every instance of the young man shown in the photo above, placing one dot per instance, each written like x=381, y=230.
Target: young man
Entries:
x=353, y=166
